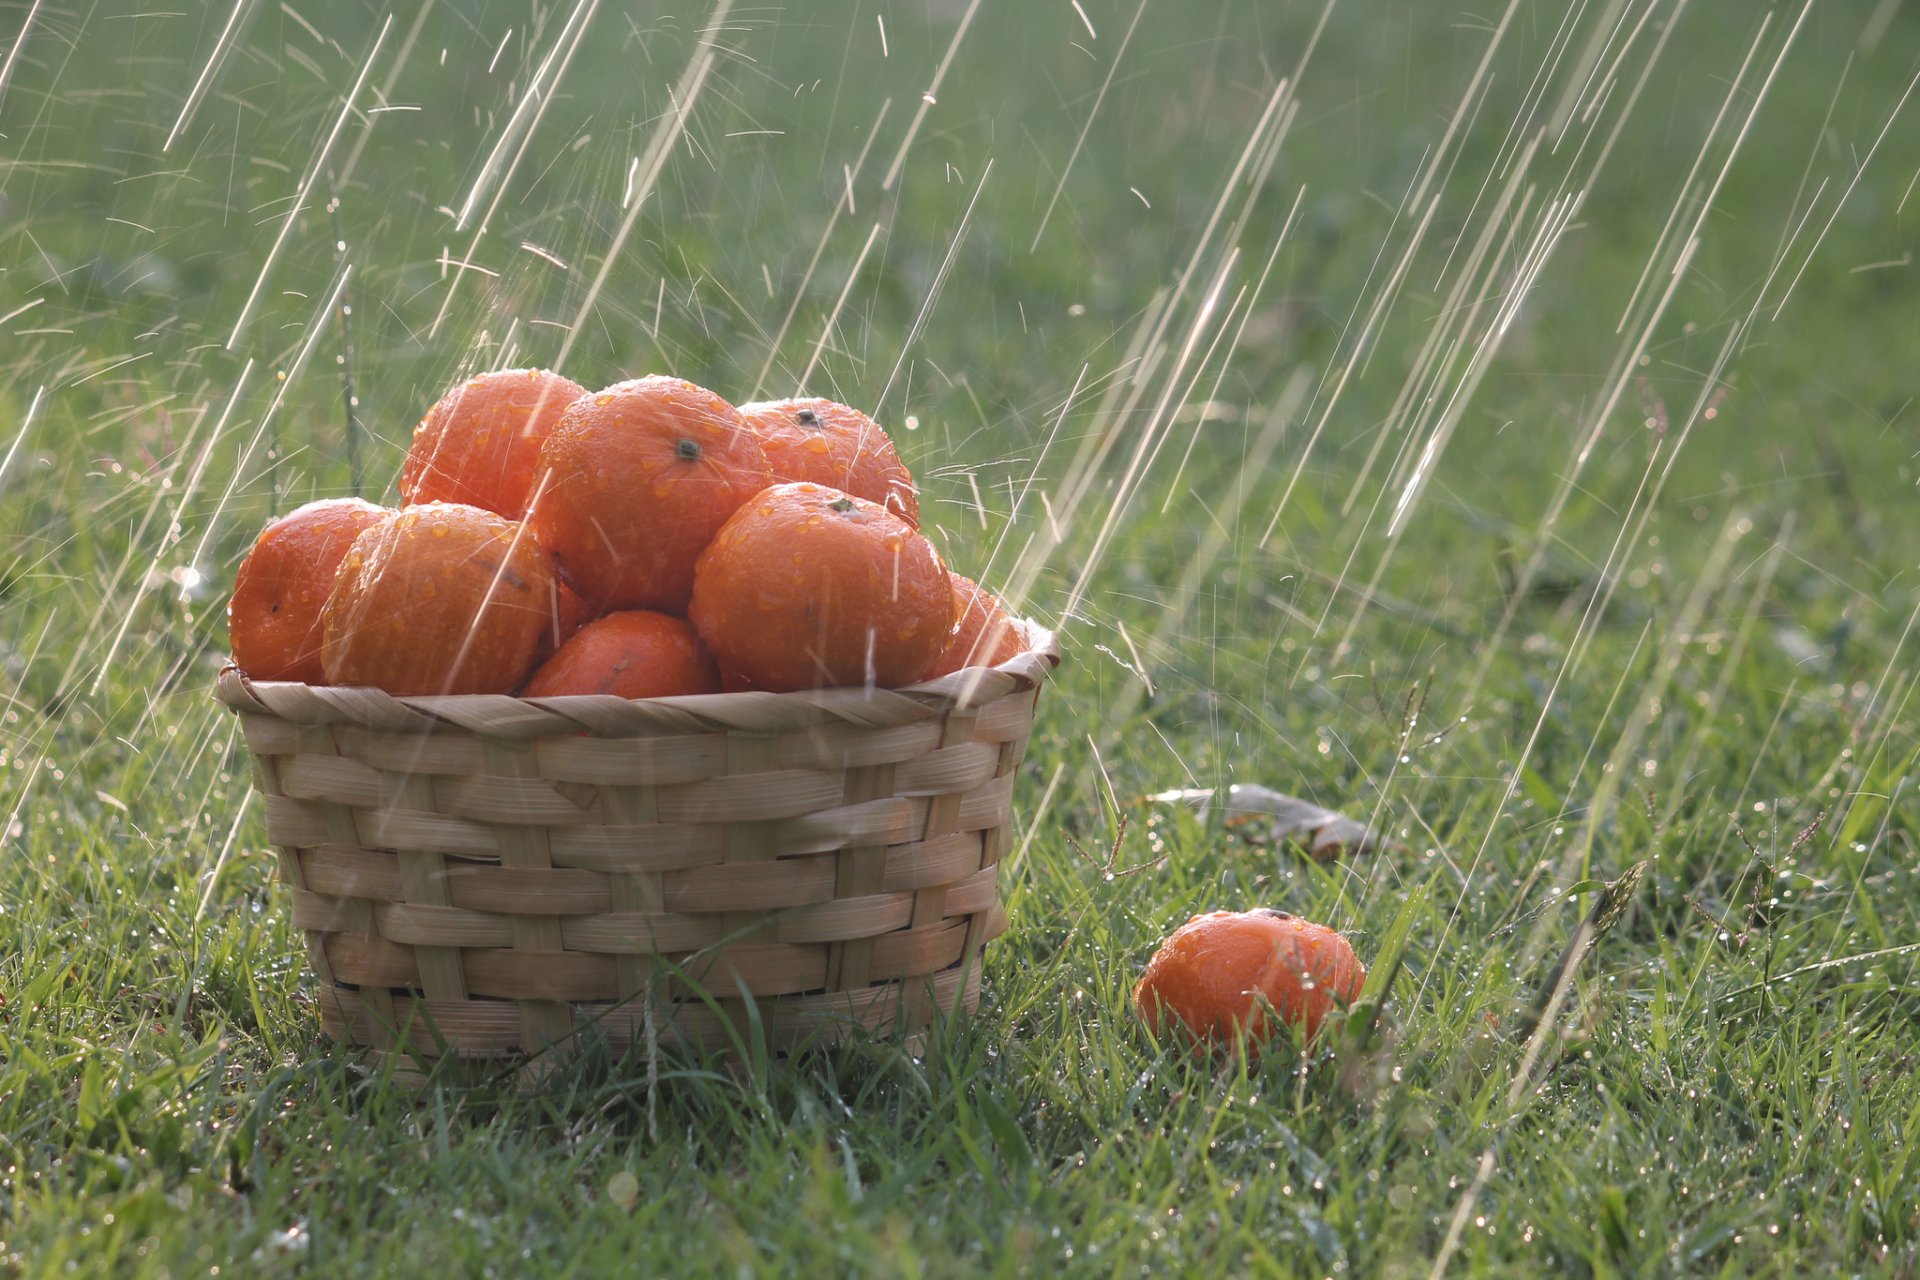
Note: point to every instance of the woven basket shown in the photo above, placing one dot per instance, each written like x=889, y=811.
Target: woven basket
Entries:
x=487, y=878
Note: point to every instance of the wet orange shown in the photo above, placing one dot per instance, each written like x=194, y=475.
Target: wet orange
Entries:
x=273, y=619
x=438, y=598
x=807, y=587
x=638, y=654
x=1229, y=975
x=982, y=635
x=834, y=444
x=636, y=480
x=566, y=614
x=481, y=443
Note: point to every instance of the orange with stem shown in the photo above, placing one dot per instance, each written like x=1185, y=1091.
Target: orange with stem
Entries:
x=1233, y=976
x=824, y=442
x=635, y=481
x=807, y=586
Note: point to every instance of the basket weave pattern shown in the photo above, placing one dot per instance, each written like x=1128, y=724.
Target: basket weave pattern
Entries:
x=485, y=876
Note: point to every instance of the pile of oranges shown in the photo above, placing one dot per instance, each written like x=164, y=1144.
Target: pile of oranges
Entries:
x=651, y=540
x=646, y=540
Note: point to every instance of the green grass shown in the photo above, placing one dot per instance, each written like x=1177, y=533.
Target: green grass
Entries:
x=1688, y=644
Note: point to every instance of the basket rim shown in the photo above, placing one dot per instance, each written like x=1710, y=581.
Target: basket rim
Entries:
x=604, y=715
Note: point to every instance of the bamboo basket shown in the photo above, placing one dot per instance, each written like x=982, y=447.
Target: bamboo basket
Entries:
x=494, y=879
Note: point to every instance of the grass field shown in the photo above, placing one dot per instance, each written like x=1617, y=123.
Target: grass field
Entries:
x=1496, y=423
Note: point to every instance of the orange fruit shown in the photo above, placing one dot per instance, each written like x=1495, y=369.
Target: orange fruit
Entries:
x=639, y=654
x=982, y=635
x=273, y=619
x=566, y=613
x=1225, y=976
x=834, y=444
x=438, y=598
x=481, y=443
x=807, y=586
x=635, y=481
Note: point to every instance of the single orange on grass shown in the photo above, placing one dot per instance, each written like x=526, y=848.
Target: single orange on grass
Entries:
x=1229, y=975
x=807, y=587
x=273, y=619
x=635, y=481
x=982, y=635
x=638, y=654
x=481, y=443
x=438, y=598
x=834, y=444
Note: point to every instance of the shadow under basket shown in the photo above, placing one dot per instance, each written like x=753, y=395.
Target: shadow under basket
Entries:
x=496, y=879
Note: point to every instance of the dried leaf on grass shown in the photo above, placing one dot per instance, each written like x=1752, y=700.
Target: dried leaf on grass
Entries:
x=1262, y=815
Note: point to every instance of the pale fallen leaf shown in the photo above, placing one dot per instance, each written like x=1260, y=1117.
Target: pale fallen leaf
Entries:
x=1261, y=815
